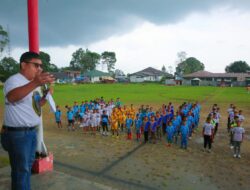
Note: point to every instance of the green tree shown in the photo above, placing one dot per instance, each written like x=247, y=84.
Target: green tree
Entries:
x=84, y=60
x=8, y=67
x=47, y=65
x=237, y=67
x=109, y=59
x=190, y=65
x=4, y=39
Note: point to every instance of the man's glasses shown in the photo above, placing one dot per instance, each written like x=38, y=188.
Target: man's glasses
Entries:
x=37, y=65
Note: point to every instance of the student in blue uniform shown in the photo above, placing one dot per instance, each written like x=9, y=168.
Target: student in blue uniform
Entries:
x=82, y=108
x=153, y=127
x=170, y=133
x=76, y=112
x=70, y=117
x=159, y=126
x=58, y=115
x=176, y=126
x=190, y=123
x=146, y=129
x=184, y=131
x=164, y=121
x=128, y=124
x=105, y=121
x=138, y=125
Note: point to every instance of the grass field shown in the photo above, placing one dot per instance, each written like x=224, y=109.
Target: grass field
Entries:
x=150, y=94
x=129, y=165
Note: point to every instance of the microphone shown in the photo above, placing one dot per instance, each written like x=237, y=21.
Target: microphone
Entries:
x=45, y=89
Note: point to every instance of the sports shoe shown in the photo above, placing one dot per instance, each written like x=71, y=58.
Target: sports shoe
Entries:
x=235, y=155
x=231, y=147
x=209, y=151
x=239, y=156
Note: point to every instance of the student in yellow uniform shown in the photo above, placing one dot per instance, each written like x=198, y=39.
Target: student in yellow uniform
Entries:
x=132, y=111
x=114, y=124
x=120, y=119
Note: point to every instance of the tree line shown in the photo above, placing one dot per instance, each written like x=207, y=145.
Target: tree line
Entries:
x=86, y=60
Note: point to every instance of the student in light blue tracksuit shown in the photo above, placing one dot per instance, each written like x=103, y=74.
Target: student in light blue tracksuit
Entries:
x=184, y=130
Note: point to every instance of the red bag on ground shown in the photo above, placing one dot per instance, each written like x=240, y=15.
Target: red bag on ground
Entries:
x=43, y=164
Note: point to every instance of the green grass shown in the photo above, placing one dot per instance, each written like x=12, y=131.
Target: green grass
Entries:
x=148, y=94
x=130, y=93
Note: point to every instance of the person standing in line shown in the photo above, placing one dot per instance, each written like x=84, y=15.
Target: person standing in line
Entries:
x=105, y=121
x=207, y=133
x=21, y=116
x=146, y=128
x=238, y=136
x=184, y=131
x=58, y=115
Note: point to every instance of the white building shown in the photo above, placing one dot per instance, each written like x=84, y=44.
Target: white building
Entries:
x=149, y=74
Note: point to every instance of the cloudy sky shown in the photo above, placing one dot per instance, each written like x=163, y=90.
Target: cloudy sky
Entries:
x=142, y=33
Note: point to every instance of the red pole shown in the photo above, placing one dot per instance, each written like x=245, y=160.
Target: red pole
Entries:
x=33, y=26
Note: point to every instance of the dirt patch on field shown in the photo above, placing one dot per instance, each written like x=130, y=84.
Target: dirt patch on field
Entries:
x=125, y=164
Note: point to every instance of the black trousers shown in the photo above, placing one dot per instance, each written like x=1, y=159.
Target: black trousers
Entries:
x=216, y=128
x=145, y=136
x=207, y=141
x=104, y=126
x=164, y=125
x=228, y=124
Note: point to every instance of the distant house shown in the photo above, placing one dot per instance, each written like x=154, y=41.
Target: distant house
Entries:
x=73, y=74
x=70, y=77
x=122, y=79
x=148, y=74
x=62, y=77
x=217, y=79
x=98, y=76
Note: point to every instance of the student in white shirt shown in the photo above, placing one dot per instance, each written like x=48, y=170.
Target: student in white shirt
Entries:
x=238, y=136
x=207, y=132
x=21, y=116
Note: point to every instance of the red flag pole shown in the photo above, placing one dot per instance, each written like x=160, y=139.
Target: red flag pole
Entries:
x=40, y=164
x=33, y=27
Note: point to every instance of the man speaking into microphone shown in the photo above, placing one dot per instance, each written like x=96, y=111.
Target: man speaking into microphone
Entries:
x=22, y=115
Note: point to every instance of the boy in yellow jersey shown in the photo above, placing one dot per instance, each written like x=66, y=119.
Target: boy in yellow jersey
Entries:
x=132, y=111
x=114, y=124
x=119, y=115
x=125, y=110
x=124, y=117
x=121, y=119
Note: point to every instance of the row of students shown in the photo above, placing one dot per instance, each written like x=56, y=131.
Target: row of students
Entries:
x=235, y=129
x=154, y=123
x=153, y=126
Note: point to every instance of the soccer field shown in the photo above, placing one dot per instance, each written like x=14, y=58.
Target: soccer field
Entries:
x=154, y=94
x=123, y=164
x=151, y=94
x=146, y=93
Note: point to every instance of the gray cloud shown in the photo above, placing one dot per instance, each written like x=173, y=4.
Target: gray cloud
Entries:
x=65, y=22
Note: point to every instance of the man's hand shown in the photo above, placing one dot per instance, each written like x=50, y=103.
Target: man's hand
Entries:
x=43, y=78
x=22, y=91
